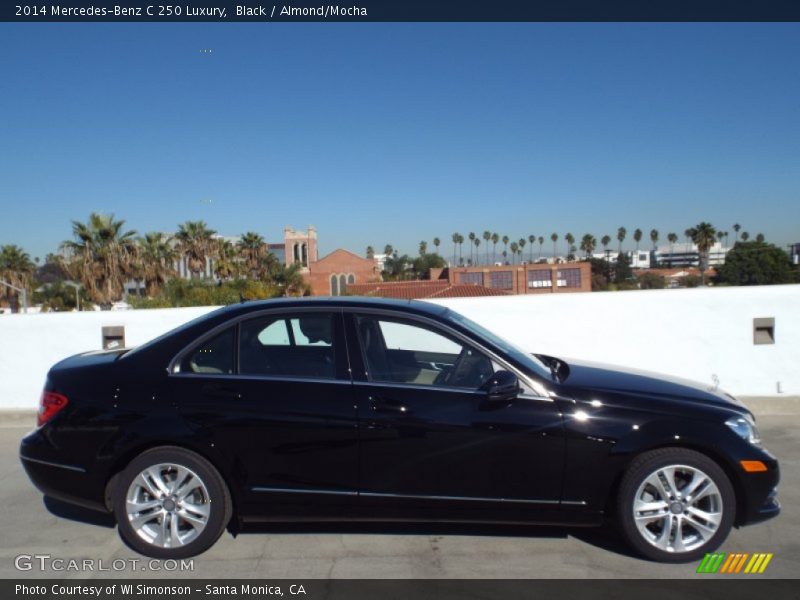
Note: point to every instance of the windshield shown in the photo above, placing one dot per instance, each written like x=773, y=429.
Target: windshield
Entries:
x=518, y=354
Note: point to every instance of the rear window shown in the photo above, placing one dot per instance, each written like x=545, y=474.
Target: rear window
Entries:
x=288, y=346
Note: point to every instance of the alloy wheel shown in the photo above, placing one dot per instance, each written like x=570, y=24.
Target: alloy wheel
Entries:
x=677, y=508
x=168, y=505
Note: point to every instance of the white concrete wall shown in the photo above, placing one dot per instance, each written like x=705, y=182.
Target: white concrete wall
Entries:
x=692, y=333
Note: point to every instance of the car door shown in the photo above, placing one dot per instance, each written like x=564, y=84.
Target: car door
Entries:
x=273, y=393
x=430, y=440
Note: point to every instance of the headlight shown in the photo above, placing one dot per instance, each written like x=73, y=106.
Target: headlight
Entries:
x=745, y=428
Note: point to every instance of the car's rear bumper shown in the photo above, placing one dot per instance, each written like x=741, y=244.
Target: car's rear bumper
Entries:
x=58, y=479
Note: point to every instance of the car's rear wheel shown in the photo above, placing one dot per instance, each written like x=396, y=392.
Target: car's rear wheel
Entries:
x=171, y=503
x=675, y=505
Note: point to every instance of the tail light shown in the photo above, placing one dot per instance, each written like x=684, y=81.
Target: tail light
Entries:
x=49, y=406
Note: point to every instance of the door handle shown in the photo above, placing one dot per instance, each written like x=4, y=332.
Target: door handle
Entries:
x=385, y=405
x=218, y=391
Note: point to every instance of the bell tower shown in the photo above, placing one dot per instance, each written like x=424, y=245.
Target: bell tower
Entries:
x=300, y=246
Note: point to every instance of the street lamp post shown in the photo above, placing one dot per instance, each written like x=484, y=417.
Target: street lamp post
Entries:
x=77, y=295
x=21, y=290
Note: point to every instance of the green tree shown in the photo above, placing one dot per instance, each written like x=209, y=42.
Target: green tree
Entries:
x=436, y=243
x=554, y=239
x=487, y=236
x=622, y=269
x=541, y=244
x=737, y=228
x=495, y=239
x=422, y=265
x=100, y=256
x=531, y=241
x=760, y=238
x=196, y=242
x=621, y=233
x=371, y=252
x=156, y=256
x=506, y=239
x=756, y=263
x=423, y=247
x=570, y=239
x=477, y=243
x=514, y=250
x=605, y=241
x=637, y=237
x=654, y=238
x=521, y=243
x=455, y=238
x=471, y=238
x=672, y=238
x=588, y=243
x=652, y=281
x=703, y=235
x=17, y=269
x=745, y=236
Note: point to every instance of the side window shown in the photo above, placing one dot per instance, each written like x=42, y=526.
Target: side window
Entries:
x=212, y=356
x=288, y=346
x=398, y=351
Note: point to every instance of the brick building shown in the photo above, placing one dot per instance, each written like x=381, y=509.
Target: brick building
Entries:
x=523, y=279
x=332, y=274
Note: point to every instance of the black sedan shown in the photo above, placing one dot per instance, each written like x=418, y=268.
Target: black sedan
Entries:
x=359, y=409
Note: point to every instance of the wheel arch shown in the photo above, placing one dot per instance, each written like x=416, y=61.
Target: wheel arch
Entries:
x=707, y=451
x=130, y=454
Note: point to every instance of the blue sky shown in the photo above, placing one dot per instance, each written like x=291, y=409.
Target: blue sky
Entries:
x=395, y=133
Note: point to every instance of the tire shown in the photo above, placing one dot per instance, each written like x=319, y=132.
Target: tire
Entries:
x=171, y=503
x=700, y=505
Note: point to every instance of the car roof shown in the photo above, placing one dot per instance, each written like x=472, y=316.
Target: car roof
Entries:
x=412, y=306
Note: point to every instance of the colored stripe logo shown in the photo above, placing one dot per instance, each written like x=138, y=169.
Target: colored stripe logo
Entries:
x=735, y=563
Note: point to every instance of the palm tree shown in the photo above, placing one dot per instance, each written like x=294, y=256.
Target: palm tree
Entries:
x=760, y=237
x=570, y=239
x=531, y=241
x=436, y=243
x=541, y=243
x=745, y=236
x=654, y=238
x=588, y=242
x=720, y=237
x=521, y=243
x=737, y=228
x=195, y=242
x=371, y=252
x=688, y=233
x=703, y=235
x=621, y=233
x=672, y=238
x=100, y=256
x=17, y=269
x=455, y=245
x=291, y=280
x=228, y=261
x=554, y=239
x=477, y=242
x=157, y=256
x=726, y=239
x=471, y=237
x=495, y=239
x=388, y=250
x=505, y=245
x=637, y=237
x=514, y=249
x=253, y=248
x=605, y=241
x=423, y=248
x=487, y=236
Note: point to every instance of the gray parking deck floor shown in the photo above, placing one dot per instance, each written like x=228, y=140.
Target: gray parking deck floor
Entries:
x=383, y=551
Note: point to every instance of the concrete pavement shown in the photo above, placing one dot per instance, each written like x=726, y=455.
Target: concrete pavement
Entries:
x=377, y=550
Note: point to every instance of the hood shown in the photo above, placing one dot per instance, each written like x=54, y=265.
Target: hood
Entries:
x=613, y=379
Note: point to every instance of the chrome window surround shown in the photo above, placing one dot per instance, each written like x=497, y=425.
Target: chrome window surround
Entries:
x=534, y=391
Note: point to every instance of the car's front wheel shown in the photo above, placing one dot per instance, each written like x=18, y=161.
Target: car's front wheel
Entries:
x=675, y=505
x=171, y=503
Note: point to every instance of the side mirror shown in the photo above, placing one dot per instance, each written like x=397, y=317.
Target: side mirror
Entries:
x=502, y=387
